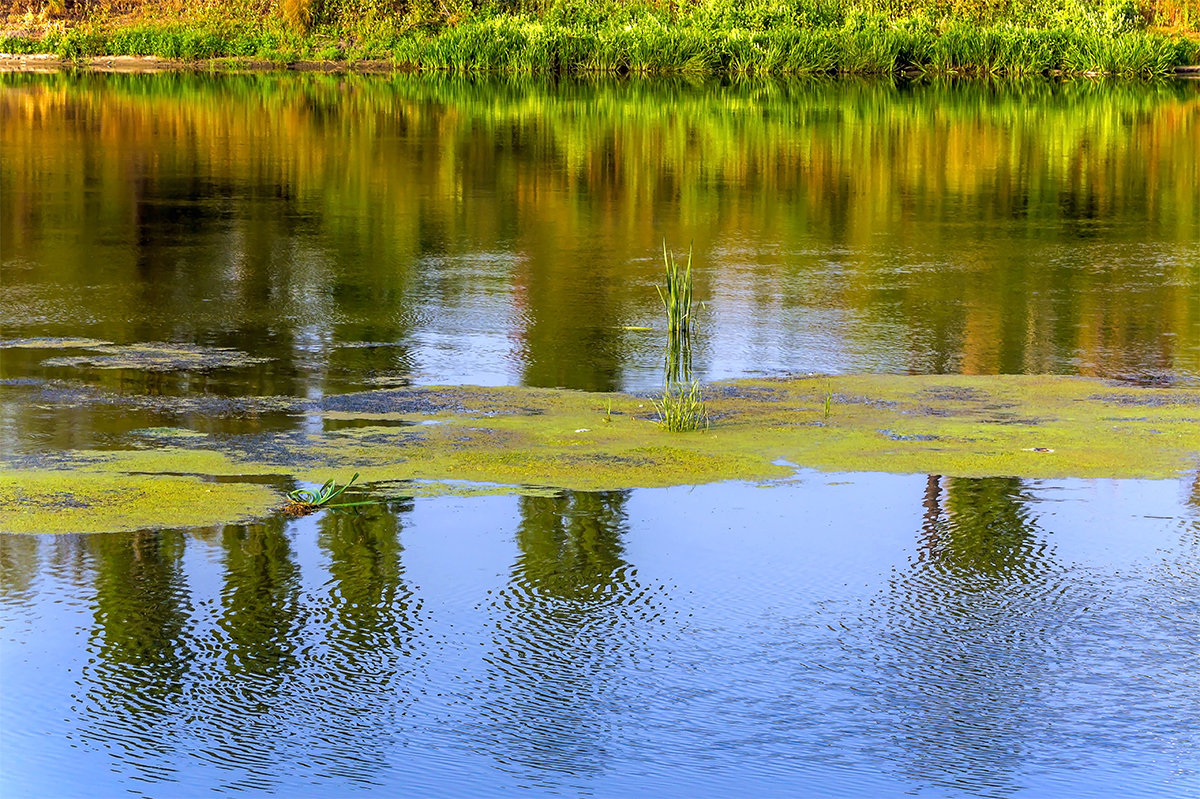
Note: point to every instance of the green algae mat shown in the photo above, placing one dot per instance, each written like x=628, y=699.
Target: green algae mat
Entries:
x=486, y=440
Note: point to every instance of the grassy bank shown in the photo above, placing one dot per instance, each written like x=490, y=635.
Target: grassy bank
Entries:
x=699, y=37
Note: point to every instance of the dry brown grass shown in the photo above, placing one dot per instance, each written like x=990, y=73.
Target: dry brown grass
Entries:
x=300, y=14
x=1177, y=16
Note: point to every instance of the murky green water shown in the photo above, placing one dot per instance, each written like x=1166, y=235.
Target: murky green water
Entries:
x=839, y=635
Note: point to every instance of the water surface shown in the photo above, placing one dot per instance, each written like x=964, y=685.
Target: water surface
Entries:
x=834, y=636
x=840, y=635
x=359, y=230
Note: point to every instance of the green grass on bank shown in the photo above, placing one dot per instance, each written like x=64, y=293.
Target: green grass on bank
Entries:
x=713, y=37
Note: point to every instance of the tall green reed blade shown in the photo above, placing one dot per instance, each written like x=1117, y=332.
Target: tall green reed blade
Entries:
x=676, y=294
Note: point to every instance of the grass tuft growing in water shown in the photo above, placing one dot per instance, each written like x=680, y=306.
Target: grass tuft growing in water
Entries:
x=682, y=410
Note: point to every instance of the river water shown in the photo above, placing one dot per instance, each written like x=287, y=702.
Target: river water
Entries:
x=823, y=635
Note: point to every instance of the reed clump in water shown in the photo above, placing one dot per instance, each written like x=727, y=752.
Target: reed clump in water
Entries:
x=676, y=294
x=681, y=408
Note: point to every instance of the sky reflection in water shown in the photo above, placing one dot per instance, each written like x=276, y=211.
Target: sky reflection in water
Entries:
x=835, y=635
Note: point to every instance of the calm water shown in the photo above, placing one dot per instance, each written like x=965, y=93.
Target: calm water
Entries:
x=822, y=638
x=828, y=635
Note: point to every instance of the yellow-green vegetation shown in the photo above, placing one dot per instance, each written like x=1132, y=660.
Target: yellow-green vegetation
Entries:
x=154, y=357
x=98, y=501
x=681, y=408
x=642, y=36
x=48, y=343
x=540, y=439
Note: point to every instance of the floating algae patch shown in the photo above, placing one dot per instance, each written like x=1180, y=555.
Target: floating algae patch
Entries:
x=965, y=426
x=168, y=433
x=73, y=502
x=520, y=439
x=47, y=343
x=968, y=426
x=158, y=357
x=172, y=460
x=405, y=489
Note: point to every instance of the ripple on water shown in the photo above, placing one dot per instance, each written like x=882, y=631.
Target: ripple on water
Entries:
x=990, y=657
x=958, y=637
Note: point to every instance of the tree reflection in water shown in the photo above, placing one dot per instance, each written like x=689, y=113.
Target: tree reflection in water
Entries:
x=571, y=621
x=321, y=672
x=362, y=674
x=143, y=646
x=258, y=629
x=968, y=645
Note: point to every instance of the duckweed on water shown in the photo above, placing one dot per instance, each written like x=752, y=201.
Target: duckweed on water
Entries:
x=96, y=502
x=156, y=357
x=541, y=439
x=52, y=343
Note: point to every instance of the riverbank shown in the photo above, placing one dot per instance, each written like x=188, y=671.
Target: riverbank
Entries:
x=614, y=38
x=48, y=62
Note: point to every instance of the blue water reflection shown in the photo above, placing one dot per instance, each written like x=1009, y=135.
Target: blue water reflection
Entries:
x=830, y=635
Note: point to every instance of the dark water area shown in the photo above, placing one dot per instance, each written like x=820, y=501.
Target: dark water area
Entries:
x=209, y=252
x=357, y=230
x=871, y=636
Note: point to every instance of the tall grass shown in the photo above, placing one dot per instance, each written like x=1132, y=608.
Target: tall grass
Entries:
x=676, y=293
x=761, y=37
x=676, y=296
